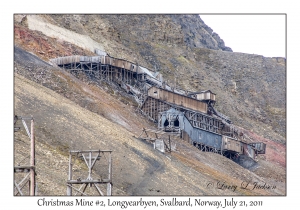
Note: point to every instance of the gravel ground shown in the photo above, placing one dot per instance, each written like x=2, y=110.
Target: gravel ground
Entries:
x=83, y=116
x=137, y=168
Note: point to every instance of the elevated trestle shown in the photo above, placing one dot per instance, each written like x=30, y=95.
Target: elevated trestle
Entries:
x=155, y=97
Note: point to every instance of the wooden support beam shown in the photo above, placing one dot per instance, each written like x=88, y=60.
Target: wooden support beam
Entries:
x=18, y=188
x=32, y=161
x=109, y=188
x=170, y=144
x=87, y=181
x=87, y=151
x=85, y=186
x=69, y=186
x=98, y=189
x=90, y=161
x=78, y=190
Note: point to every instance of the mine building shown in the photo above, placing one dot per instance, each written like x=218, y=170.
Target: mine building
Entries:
x=190, y=114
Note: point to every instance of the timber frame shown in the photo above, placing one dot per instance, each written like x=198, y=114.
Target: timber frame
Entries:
x=154, y=96
x=205, y=122
x=29, y=170
x=206, y=148
x=157, y=135
x=89, y=157
x=102, y=71
x=152, y=108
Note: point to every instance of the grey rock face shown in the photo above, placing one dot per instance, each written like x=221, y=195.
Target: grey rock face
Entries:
x=180, y=30
x=198, y=34
x=251, y=89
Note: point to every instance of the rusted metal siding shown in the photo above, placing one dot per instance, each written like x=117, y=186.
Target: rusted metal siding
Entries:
x=105, y=60
x=66, y=60
x=90, y=59
x=249, y=151
x=259, y=147
x=78, y=59
x=208, y=95
x=122, y=64
x=177, y=99
x=232, y=144
x=213, y=97
x=108, y=60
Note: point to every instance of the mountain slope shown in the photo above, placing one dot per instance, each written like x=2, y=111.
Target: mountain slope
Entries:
x=138, y=169
x=77, y=113
x=250, y=89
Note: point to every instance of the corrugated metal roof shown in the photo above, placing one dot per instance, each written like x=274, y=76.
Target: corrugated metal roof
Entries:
x=100, y=52
x=146, y=71
x=94, y=59
x=203, y=91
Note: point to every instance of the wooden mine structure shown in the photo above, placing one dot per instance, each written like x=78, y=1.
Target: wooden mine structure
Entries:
x=90, y=157
x=29, y=170
x=161, y=140
x=156, y=97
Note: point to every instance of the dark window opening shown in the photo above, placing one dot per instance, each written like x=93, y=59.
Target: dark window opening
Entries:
x=176, y=123
x=166, y=123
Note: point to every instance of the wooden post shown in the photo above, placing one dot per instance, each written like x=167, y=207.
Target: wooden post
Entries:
x=109, y=190
x=170, y=144
x=69, y=187
x=90, y=166
x=89, y=181
x=106, y=72
x=32, y=161
x=151, y=108
x=98, y=70
x=111, y=73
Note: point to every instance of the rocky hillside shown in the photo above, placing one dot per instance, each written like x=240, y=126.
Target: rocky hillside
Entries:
x=250, y=89
x=61, y=125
